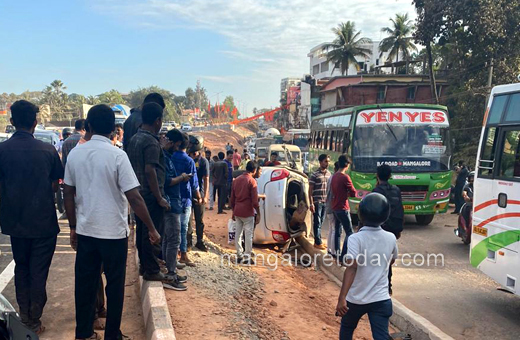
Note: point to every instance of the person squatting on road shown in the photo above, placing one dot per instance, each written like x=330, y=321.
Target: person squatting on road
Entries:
x=29, y=174
x=342, y=188
x=147, y=159
x=364, y=290
x=246, y=211
x=97, y=193
x=392, y=193
x=318, y=196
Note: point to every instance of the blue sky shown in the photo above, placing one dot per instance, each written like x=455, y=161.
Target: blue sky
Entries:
x=240, y=47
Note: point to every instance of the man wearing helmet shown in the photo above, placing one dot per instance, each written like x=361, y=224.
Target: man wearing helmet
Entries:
x=371, y=251
x=196, y=144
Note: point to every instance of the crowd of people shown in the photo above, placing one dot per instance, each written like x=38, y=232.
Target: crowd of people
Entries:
x=112, y=175
x=115, y=174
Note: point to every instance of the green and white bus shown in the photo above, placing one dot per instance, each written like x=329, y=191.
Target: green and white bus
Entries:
x=412, y=138
x=495, y=240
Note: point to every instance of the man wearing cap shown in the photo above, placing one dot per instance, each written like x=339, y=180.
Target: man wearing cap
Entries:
x=195, y=146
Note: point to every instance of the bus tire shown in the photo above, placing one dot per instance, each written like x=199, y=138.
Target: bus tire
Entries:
x=424, y=219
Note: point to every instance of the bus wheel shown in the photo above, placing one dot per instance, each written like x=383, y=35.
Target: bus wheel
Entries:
x=424, y=219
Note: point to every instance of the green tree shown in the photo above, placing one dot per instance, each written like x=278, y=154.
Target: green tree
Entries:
x=346, y=47
x=111, y=97
x=399, y=39
x=468, y=35
x=57, y=99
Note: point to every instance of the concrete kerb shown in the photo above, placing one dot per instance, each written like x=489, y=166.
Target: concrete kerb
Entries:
x=403, y=318
x=157, y=318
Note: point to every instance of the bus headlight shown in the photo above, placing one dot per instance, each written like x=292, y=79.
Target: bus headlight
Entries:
x=440, y=194
x=362, y=193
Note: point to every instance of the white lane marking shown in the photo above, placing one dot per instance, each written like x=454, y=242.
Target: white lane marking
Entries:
x=6, y=275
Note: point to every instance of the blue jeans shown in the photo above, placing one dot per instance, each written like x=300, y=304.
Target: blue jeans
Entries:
x=379, y=314
x=342, y=219
x=171, y=240
x=319, y=215
x=185, y=219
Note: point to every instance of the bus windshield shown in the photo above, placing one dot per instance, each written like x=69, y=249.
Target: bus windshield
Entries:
x=407, y=148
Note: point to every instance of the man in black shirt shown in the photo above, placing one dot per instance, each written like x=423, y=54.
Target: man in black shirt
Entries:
x=195, y=147
x=147, y=158
x=29, y=174
x=395, y=222
x=134, y=122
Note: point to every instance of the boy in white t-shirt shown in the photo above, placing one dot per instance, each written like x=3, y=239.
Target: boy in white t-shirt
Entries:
x=371, y=251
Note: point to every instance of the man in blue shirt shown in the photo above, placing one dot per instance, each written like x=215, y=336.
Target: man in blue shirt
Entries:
x=189, y=190
x=229, y=160
x=172, y=218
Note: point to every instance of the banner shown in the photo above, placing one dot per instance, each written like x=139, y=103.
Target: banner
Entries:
x=402, y=116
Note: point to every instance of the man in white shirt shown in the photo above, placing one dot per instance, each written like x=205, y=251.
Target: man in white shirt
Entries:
x=99, y=183
x=371, y=251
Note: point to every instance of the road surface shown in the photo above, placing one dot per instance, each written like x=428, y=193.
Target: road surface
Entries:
x=457, y=298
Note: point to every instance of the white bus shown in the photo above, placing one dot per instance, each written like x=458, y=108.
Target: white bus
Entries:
x=495, y=241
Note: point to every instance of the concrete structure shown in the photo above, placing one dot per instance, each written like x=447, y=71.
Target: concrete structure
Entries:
x=320, y=68
x=285, y=85
x=342, y=92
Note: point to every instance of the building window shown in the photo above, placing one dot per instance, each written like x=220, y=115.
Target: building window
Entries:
x=315, y=69
x=381, y=93
x=324, y=66
x=361, y=65
x=377, y=62
x=411, y=92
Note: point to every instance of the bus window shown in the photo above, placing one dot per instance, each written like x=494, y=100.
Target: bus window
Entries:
x=510, y=160
x=499, y=102
x=319, y=140
x=326, y=140
x=513, y=109
x=488, y=152
x=339, y=141
x=332, y=141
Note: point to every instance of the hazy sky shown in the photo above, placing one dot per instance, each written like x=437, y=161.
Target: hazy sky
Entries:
x=240, y=47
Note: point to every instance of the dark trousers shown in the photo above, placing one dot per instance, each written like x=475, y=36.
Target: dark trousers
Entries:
x=91, y=253
x=342, y=218
x=319, y=216
x=33, y=257
x=378, y=314
x=198, y=216
x=459, y=200
x=228, y=191
x=147, y=252
x=222, y=196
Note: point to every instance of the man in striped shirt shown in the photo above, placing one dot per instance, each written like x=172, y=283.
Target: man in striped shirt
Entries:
x=318, y=197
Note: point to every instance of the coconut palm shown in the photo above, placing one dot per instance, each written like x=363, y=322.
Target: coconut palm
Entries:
x=399, y=38
x=346, y=47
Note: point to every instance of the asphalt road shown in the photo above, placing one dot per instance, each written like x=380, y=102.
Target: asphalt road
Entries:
x=456, y=297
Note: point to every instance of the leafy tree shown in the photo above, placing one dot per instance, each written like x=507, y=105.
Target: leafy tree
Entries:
x=57, y=99
x=399, y=39
x=469, y=34
x=346, y=47
x=111, y=97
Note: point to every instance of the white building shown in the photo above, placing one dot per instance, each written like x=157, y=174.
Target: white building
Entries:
x=320, y=68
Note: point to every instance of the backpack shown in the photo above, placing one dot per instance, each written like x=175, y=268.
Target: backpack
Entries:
x=395, y=222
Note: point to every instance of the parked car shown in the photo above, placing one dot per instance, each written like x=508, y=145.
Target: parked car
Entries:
x=4, y=136
x=285, y=210
x=186, y=127
x=47, y=137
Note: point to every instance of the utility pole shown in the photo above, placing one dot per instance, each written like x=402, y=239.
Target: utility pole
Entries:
x=490, y=79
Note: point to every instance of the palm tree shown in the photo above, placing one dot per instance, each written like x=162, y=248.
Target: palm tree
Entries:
x=400, y=39
x=346, y=47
